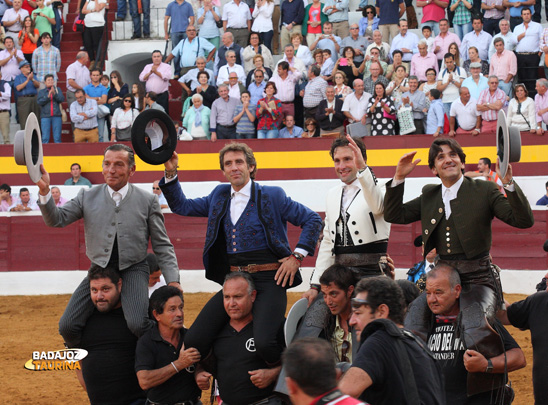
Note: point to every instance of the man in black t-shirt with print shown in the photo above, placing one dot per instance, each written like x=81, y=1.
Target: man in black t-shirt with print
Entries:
x=530, y=313
x=108, y=373
x=379, y=374
x=242, y=375
x=443, y=290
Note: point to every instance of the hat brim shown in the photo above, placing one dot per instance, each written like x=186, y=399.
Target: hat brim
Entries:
x=154, y=137
x=508, y=143
x=294, y=316
x=27, y=148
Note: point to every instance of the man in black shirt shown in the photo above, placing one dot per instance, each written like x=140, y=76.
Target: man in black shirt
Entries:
x=163, y=367
x=392, y=366
x=107, y=372
x=443, y=290
x=242, y=375
x=530, y=313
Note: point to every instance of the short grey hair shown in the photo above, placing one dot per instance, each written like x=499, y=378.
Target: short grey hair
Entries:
x=503, y=20
x=221, y=86
x=422, y=42
x=230, y=52
x=197, y=97
x=543, y=82
x=454, y=277
x=200, y=58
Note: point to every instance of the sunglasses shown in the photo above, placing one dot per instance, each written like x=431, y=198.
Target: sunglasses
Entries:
x=369, y=12
x=127, y=101
x=358, y=302
x=156, y=188
x=344, y=351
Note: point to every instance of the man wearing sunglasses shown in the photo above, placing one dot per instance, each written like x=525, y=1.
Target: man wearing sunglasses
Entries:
x=388, y=357
x=161, y=199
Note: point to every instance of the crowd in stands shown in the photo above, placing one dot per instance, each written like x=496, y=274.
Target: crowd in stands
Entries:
x=232, y=87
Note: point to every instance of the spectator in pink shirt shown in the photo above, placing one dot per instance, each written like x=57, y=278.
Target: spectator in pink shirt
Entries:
x=504, y=65
x=433, y=11
x=157, y=75
x=56, y=195
x=541, y=104
x=422, y=61
x=444, y=39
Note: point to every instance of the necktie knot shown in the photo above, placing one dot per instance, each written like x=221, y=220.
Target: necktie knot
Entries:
x=117, y=197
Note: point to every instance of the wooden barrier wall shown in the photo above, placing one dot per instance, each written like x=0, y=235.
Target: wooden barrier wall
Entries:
x=27, y=244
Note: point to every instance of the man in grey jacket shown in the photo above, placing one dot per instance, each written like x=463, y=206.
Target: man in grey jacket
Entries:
x=119, y=220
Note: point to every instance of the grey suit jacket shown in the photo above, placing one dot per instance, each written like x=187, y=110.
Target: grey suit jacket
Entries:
x=137, y=219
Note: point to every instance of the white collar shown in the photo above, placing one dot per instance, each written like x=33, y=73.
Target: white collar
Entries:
x=454, y=189
x=246, y=190
x=355, y=183
x=123, y=191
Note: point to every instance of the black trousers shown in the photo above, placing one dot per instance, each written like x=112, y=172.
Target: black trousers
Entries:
x=268, y=317
x=528, y=71
x=92, y=39
x=163, y=100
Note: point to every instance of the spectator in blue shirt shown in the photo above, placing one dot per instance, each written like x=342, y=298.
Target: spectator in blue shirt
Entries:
x=256, y=88
x=290, y=130
x=181, y=14
x=25, y=86
x=435, y=117
x=389, y=13
x=96, y=91
x=292, y=15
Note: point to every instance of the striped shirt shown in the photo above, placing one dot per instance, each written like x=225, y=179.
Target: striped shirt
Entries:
x=486, y=97
x=244, y=126
x=314, y=92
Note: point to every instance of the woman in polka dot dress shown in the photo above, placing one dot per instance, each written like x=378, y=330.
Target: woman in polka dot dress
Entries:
x=382, y=111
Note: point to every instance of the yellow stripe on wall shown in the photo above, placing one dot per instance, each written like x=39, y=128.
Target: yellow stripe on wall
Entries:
x=273, y=160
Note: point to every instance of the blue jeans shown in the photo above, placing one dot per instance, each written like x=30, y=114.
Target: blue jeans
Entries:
x=122, y=9
x=267, y=134
x=53, y=123
x=56, y=29
x=136, y=17
x=266, y=37
x=462, y=30
x=177, y=37
x=434, y=25
x=506, y=87
x=101, y=129
x=447, y=109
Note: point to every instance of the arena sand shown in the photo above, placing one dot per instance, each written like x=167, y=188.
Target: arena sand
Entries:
x=29, y=323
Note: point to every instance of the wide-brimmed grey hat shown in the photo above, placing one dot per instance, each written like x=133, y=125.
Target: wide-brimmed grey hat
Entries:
x=27, y=148
x=508, y=144
x=475, y=65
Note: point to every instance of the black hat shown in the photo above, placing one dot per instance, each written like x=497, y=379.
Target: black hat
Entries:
x=418, y=241
x=153, y=136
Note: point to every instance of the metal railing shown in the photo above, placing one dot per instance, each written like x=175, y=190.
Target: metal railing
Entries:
x=123, y=30
x=103, y=45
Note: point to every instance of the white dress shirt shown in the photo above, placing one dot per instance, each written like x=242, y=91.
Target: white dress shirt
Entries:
x=449, y=194
x=224, y=72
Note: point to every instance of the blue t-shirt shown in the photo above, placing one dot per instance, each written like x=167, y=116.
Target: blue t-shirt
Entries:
x=244, y=125
x=516, y=11
x=93, y=91
x=389, y=11
x=179, y=13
